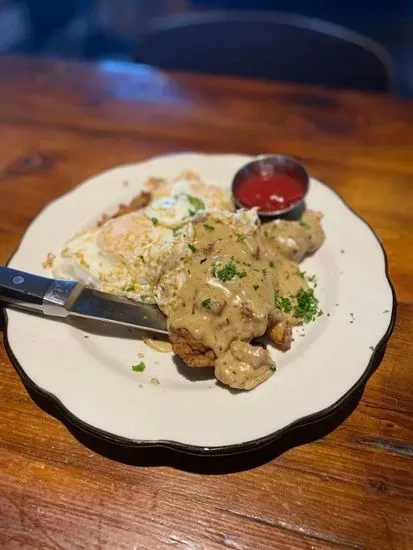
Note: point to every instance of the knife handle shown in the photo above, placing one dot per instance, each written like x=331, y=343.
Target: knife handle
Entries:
x=28, y=291
x=18, y=286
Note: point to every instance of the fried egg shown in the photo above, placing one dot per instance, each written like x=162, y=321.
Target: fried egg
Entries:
x=139, y=254
x=125, y=256
x=175, y=211
x=189, y=183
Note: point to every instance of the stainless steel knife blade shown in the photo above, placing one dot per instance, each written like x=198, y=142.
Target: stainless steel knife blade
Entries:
x=94, y=304
x=58, y=298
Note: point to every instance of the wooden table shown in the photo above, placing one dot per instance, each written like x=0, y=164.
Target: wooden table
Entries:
x=352, y=488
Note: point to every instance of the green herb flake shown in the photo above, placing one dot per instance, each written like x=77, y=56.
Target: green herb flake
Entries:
x=241, y=238
x=192, y=248
x=197, y=203
x=146, y=297
x=282, y=303
x=228, y=272
x=304, y=224
x=177, y=231
x=208, y=228
x=271, y=264
x=142, y=259
x=154, y=221
x=140, y=367
x=306, y=305
x=300, y=273
x=255, y=287
x=129, y=288
x=312, y=279
x=207, y=303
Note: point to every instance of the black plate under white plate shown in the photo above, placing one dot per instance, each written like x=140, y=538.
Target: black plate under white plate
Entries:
x=87, y=372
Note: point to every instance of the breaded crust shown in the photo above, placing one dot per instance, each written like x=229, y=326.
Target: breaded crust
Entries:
x=281, y=334
x=192, y=352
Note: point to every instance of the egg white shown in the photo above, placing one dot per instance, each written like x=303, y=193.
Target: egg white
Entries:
x=174, y=211
x=140, y=254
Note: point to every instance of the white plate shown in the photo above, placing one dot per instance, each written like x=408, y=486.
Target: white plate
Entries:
x=89, y=374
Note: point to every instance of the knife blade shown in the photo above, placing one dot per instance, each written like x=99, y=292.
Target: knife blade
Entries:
x=62, y=298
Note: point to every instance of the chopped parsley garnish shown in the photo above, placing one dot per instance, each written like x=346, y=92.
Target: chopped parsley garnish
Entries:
x=312, y=279
x=140, y=367
x=306, y=307
x=197, y=203
x=154, y=221
x=255, y=287
x=177, y=231
x=241, y=238
x=129, y=288
x=192, y=248
x=228, y=272
x=142, y=259
x=208, y=228
x=301, y=273
x=207, y=303
x=146, y=297
x=304, y=224
x=283, y=304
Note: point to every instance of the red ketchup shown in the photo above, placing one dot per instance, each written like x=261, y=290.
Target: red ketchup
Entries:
x=272, y=192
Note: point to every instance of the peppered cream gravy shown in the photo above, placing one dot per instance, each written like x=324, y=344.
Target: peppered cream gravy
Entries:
x=228, y=297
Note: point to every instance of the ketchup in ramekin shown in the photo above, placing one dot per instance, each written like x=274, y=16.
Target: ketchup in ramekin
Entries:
x=274, y=184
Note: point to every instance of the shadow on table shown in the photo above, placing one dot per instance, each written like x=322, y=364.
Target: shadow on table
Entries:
x=162, y=456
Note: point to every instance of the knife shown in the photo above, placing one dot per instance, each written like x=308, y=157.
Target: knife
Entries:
x=61, y=298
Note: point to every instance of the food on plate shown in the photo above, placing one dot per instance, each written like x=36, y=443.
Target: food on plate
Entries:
x=222, y=278
x=140, y=201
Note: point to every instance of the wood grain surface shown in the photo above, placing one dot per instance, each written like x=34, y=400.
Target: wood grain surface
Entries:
x=353, y=487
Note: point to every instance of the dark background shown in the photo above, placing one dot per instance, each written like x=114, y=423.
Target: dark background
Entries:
x=96, y=29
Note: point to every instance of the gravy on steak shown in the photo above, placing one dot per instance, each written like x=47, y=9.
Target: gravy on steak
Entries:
x=237, y=287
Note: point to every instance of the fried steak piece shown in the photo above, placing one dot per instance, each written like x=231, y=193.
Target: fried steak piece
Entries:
x=195, y=354
x=192, y=352
x=281, y=334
